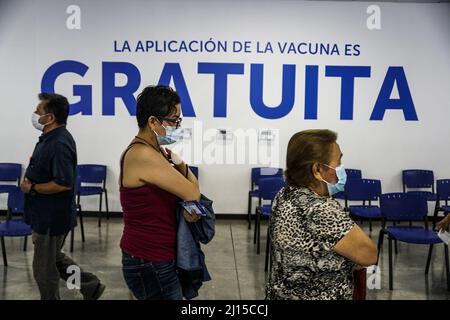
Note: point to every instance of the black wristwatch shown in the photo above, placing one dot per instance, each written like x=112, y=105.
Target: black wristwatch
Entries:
x=32, y=189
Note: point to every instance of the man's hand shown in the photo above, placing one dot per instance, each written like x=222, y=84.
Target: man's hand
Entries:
x=191, y=217
x=444, y=223
x=25, y=186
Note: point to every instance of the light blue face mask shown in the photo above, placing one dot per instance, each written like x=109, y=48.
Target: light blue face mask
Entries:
x=172, y=135
x=342, y=179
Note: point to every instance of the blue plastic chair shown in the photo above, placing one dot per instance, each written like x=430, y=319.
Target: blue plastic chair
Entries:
x=194, y=171
x=365, y=190
x=9, y=172
x=268, y=257
x=14, y=227
x=93, y=173
x=419, y=179
x=408, y=207
x=256, y=174
x=442, y=194
x=268, y=189
x=351, y=174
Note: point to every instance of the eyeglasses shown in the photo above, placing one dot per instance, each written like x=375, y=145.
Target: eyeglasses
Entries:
x=177, y=121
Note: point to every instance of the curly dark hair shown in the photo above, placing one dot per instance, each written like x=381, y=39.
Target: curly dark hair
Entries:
x=158, y=101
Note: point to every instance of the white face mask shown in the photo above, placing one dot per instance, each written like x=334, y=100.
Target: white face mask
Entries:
x=35, y=121
x=172, y=135
x=339, y=186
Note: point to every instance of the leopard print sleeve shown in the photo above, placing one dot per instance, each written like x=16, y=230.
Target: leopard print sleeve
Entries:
x=328, y=222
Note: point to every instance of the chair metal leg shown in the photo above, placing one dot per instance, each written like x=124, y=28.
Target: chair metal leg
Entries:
x=25, y=241
x=106, y=203
x=266, y=262
x=435, y=214
x=380, y=244
x=258, y=232
x=391, y=280
x=430, y=252
x=5, y=261
x=78, y=199
x=370, y=224
x=72, y=239
x=80, y=214
x=256, y=222
x=100, y=211
x=249, y=215
x=395, y=241
x=447, y=271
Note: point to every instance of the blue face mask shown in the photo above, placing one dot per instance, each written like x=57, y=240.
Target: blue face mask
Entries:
x=342, y=179
x=172, y=135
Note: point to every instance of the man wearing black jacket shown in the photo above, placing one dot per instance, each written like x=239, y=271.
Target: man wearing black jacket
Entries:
x=50, y=209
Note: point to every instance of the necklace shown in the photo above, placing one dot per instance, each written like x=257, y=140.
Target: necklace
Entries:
x=148, y=143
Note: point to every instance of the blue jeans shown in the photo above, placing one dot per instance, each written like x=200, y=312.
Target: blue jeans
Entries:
x=149, y=280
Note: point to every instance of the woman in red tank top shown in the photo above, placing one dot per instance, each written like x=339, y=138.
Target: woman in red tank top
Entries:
x=152, y=181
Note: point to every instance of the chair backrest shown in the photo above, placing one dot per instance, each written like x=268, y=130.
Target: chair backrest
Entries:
x=194, y=171
x=264, y=172
x=401, y=206
x=363, y=189
x=16, y=201
x=353, y=173
x=10, y=172
x=443, y=189
x=269, y=187
x=417, y=178
x=91, y=173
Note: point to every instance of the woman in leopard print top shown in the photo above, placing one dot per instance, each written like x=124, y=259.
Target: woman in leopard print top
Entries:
x=315, y=245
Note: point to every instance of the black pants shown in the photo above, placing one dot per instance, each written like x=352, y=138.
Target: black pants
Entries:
x=50, y=264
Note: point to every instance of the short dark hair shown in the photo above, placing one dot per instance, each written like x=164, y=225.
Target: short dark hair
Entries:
x=306, y=148
x=158, y=101
x=57, y=105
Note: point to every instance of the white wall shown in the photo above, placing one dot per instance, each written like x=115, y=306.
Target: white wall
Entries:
x=33, y=36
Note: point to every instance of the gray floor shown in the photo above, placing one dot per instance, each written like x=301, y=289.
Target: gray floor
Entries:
x=237, y=272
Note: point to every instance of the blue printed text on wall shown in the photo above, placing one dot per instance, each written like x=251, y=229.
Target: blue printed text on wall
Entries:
x=222, y=72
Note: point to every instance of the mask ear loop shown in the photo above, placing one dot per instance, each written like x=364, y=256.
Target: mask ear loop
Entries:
x=41, y=117
x=156, y=135
x=330, y=167
x=328, y=183
x=322, y=179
